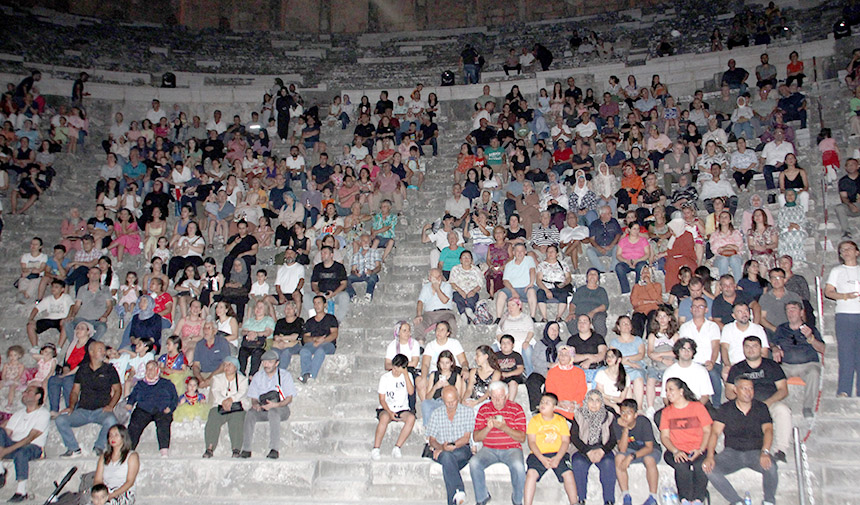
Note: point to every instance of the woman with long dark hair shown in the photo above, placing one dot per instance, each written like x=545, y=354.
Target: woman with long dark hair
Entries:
x=118, y=466
x=685, y=427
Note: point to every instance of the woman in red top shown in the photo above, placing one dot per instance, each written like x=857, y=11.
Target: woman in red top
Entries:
x=76, y=355
x=794, y=70
x=685, y=427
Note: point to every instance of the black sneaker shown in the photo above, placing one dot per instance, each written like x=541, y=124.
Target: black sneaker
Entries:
x=245, y=454
x=485, y=502
x=208, y=454
x=273, y=454
x=18, y=497
x=236, y=453
x=72, y=454
x=779, y=456
x=3, y=479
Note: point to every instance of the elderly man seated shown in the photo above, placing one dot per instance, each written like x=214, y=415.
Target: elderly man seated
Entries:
x=501, y=425
x=796, y=346
x=271, y=392
x=435, y=304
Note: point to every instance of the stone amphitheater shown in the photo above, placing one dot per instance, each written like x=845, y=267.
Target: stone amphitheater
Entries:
x=327, y=440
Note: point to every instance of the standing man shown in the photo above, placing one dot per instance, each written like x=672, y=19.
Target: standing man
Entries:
x=449, y=430
x=470, y=59
x=501, y=425
x=748, y=430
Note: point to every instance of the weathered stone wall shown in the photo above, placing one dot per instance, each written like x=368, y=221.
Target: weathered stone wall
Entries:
x=340, y=16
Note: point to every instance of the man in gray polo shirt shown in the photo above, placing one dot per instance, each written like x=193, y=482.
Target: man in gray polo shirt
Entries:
x=93, y=304
x=773, y=302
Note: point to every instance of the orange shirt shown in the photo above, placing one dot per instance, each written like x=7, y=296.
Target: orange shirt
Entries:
x=646, y=298
x=568, y=385
x=633, y=185
x=685, y=425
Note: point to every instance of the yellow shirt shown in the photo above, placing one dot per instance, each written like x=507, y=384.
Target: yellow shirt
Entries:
x=548, y=434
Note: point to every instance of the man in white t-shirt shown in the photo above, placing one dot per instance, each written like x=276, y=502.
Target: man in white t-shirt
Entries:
x=692, y=373
x=733, y=335
x=33, y=265
x=586, y=130
x=290, y=279
x=395, y=390
x=435, y=305
x=561, y=132
x=55, y=309
x=155, y=113
x=296, y=167
x=439, y=238
x=457, y=205
x=706, y=334
x=23, y=438
x=216, y=124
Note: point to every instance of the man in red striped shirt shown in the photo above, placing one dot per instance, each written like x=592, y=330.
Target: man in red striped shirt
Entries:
x=501, y=425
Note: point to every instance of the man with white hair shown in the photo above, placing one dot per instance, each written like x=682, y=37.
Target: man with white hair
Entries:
x=501, y=425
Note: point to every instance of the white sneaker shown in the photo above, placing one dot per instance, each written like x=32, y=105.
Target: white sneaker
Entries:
x=374, y=454
x=459, y=497
x=462, y=320
x=649, y=412
x=368, y=298
x=395, y=453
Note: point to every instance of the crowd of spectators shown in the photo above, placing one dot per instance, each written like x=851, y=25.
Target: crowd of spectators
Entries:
x=528, y=199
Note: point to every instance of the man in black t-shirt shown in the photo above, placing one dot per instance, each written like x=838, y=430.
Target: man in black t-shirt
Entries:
x=322, y=173
x=365, y=132
x=427, y=135
x=480, y=137
x=383, y=104
x=636, y=444
x=770, y=387
x=320, y=338
x=849, y=187
x=748, y=430
x=95, y=393
x=329, y=280
x=242, y=246
x=721, y=310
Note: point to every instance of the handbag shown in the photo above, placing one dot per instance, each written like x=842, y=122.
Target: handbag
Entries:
x=273, y=396
x=235, y=406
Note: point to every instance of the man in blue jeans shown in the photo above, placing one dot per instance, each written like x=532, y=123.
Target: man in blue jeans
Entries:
x=23, y=436
x=366, y=264
x=320, y=339
x=448, y=431
x=95, y=394
x=501, y=426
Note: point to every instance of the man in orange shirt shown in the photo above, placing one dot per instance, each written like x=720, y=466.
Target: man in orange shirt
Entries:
x=567, y=382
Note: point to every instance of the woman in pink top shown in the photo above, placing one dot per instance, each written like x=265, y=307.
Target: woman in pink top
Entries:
x=727, y=245
x=632, y=253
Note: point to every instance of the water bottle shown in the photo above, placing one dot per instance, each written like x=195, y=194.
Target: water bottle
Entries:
x=747, y=498
x=668, y=496
x=330, y=306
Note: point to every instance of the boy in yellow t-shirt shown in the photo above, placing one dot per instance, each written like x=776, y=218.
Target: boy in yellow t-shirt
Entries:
x=548, y=437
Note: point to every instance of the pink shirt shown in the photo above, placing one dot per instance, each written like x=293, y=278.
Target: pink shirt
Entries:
x=827, y=145
x=631, y=251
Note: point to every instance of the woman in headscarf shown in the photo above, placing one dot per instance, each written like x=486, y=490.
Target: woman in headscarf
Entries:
x=237, y=284
x=756, y=203
x=593, y=440
x=605, y=185
x=681, y=252
x=291, y=213
x=146, y=324
x=528, y=208
x=556, y=202
x=791, y=220
x=583, y=200
x=544, y=357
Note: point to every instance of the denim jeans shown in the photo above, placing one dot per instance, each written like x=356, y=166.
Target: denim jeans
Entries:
x=286, y=355
x=100, y=327
x=21, y=456
x=743, y=130
x=81, y=417
x=433, y=142
x=622, y=269
x=594, y=257
x=371, y=281
x=511, y=458
x=470, y=74
x=312, y=357
x=463, y=303
x=526, y=353
x=768, y=175
x=730, y=461
x=452, y=462
x=715, y=374
x=580, y=465
x=726, y=263
x=59, y=385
